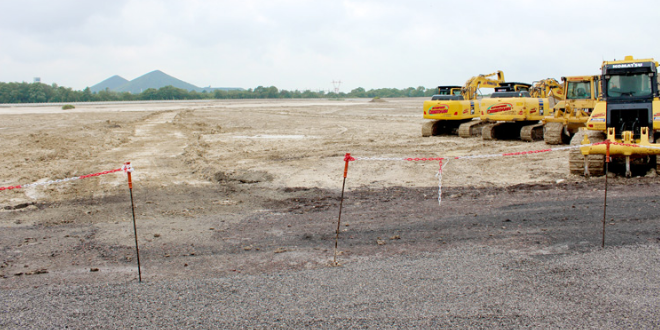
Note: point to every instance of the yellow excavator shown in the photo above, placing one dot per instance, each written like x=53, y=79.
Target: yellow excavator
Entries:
x=580, y=94
x=515, y=110
x=548, y=88
x=451, y=108
x=626, y=118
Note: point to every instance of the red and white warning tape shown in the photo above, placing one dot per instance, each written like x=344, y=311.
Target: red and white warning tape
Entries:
x=439, y=175
x=628, y=145
x=126, y=168
x=446, y=159
x=519, y=153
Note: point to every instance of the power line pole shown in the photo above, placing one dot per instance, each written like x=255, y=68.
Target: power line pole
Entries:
x=337, y=84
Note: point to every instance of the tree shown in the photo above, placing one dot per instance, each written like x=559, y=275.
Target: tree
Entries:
x=87, y=95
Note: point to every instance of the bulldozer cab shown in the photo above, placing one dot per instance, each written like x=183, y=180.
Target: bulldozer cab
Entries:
x=630, y=81
x=629, y=87
x=577, y=90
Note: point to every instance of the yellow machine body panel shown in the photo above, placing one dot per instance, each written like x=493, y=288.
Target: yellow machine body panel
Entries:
x=626, y=145
x=513, y=109
x=598, y=119
x=450, y=109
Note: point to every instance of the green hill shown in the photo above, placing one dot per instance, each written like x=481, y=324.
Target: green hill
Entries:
x=154, y=79
x=110, y=83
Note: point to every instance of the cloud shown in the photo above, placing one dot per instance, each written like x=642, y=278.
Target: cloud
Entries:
x=298, y=44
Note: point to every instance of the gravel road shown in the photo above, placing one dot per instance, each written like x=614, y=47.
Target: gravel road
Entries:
x=509, y=262
x=237, y=202
x=479, y=287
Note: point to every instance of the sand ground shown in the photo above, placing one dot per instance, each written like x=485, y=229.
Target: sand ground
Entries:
x=246, y=186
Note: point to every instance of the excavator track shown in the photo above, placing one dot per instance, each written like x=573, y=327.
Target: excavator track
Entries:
x=488, y=131
x=554, y=133
x=501, y=131
x=471, y=128
x=595, y=163
x=531, y=133
x=427, y=128
x=441, y=127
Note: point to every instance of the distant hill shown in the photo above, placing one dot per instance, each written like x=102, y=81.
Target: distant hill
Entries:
x=110, y=83
x=154, y=79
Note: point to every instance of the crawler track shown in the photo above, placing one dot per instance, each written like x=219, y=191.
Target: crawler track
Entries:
x=576, y=161
x=531, y=133
x=471, y=128
x=488, y=131
x=512, y=131
x=554, y=134
x=427, y=128
x=441, y=127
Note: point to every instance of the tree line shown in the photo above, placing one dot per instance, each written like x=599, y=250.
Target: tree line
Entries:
x=42, y=93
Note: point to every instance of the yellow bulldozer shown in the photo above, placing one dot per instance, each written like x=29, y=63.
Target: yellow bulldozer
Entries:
x=580, y=94
x=455, y=105
x=626, y=119
x=515, y=110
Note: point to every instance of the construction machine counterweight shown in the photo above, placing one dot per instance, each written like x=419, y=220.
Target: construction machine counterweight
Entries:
x=515, y=111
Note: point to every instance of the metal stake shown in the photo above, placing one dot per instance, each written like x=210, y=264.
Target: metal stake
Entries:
x=341, y=204
x=605, y=205
x=128, y=170
x=607, y=162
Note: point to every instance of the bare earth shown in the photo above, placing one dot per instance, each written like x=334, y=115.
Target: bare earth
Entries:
x=226, y=188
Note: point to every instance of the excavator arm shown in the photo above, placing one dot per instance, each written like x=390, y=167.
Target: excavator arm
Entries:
x=547, y=88
x=473, y=84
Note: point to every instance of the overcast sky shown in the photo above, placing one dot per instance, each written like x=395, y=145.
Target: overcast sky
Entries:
x=296, y=44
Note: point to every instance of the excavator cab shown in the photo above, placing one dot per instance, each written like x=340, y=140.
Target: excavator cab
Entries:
x=448, y=93
x=513, y=87
x=507, y=94
x=507, y=90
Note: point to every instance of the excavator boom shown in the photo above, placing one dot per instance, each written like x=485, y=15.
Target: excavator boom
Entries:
x=473, y=84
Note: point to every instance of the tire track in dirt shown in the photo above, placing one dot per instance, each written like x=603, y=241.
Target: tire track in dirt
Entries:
x=155, y=151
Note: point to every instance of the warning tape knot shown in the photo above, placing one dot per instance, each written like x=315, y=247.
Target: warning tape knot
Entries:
x=127, y=168
x=348, y=158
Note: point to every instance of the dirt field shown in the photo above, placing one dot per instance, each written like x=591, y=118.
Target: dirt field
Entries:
x=253, y=186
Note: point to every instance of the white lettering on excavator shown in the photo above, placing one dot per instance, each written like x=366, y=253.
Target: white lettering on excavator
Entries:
x=629, y=65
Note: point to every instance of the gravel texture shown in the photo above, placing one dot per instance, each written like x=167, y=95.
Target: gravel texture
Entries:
x=237, y=201
x=478, y=287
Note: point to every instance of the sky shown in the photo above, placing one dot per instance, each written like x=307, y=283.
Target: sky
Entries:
x=298, y=44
